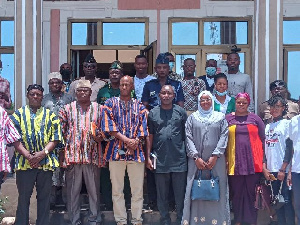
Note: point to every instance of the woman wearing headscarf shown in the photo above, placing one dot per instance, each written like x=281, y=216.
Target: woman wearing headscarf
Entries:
x=245, y=158
x=206, y=141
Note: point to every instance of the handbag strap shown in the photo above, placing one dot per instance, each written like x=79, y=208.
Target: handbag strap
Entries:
x=199, y=175
x=279, y=192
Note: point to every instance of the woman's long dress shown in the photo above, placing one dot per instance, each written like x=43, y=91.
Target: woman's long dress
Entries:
x=205, y=139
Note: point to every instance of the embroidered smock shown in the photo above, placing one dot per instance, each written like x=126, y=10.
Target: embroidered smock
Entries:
x=37, y=130
x=77, y=126
x=130, y=120
x=5, y=88
x=8, y=135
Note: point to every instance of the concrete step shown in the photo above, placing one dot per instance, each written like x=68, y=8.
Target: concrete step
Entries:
x=150, y=218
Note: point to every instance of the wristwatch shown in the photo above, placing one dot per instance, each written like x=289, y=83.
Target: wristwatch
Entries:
x=46, y=151
x=195, y=158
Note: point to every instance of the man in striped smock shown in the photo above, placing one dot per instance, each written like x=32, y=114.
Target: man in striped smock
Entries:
x=82, y=154
x=125, y=125
x=8, y=135
x=35, y=162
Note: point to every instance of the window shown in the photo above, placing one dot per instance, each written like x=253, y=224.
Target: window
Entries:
x=7, y=52
x=108, y=40
x=185, y=33
x=207, y=38
x=291, y=46
x=123, y=33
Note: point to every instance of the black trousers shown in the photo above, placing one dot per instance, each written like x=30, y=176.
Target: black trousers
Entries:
x=163, y=180
x=26, y=180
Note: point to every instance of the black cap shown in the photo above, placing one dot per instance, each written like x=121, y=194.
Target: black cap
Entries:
x=162, y=59
x=35, y=86
x=90, y=58
x=277, y=83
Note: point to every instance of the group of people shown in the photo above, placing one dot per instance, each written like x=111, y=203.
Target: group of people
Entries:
x=101, y=131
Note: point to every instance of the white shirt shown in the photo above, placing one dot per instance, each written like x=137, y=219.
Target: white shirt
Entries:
x=223, y=106
x=210, y=81
x=276, y=135
x=240, y=83
x=294, y=132
x=139, y=85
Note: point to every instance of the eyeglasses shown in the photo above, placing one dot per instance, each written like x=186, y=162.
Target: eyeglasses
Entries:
x=241, y=103
x=276, y=106
x=205, y=100
x=83, y=90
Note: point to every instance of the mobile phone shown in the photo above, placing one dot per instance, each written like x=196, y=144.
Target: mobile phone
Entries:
x=272, y=177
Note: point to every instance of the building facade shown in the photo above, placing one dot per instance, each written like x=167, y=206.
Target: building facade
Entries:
x=37, y=36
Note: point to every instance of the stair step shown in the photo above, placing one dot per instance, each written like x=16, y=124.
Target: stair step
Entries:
x=150, y=218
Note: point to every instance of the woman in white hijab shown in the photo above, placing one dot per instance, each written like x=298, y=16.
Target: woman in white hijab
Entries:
x=206, y=141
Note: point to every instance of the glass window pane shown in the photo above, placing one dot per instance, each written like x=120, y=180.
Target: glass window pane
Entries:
x=226, y=32
x=293, y=77
x=7, y=33
x=221, y=59
x=291, y=32
x=84, y=33
x=123, y=33
x=185, y=33
x=8, y=72
x=179, y=60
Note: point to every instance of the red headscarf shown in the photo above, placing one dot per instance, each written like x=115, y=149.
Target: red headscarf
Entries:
x=243, y=95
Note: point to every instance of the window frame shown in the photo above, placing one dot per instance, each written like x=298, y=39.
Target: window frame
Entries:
x=99, y=45
x=288, y=48
x=202, y=49
x=6, y=49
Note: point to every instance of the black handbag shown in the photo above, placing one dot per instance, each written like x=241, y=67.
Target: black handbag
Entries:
x=207, y=190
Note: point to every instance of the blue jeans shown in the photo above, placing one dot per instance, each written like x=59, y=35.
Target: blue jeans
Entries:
x=296, y=190
x=286, y=214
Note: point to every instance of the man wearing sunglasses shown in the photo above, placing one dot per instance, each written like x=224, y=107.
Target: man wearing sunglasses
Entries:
x=90, y=71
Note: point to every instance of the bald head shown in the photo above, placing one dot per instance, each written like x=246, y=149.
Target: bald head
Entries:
x=167, y=87
x=126, y=86
x=166, y=95
x=127, y=78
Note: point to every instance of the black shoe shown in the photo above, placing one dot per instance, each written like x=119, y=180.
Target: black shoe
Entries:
x=152, y=206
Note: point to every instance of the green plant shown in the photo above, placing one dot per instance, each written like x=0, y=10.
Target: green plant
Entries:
x=3, y=201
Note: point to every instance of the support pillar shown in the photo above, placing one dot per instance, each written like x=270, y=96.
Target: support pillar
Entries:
x=28, y=47
x=268, y=53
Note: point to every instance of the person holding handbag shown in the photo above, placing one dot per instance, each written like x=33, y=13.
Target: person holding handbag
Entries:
x=206, y=141
x=278, y=152
x=245, y=158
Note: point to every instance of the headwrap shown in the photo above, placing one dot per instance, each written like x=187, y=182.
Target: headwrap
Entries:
x=83, y=84
x=116, y=65
x=162, y=59
x=243, y=95
x=90, y=58
x=54, y=75
x=277, y=83
x=35, y=86
x=210, y=115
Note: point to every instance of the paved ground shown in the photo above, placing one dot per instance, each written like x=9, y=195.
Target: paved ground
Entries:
x=59, y=217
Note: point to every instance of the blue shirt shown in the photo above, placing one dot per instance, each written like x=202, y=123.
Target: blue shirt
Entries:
x=153, y=87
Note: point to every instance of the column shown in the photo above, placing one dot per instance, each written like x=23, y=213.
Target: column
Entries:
x=28, y=46
x=268, y=53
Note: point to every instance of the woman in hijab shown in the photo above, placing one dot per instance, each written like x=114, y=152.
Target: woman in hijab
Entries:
x=245, y=158
x=206, y=141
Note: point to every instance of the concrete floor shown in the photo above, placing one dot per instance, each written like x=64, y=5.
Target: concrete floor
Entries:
x=59, y=217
